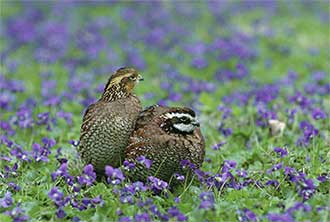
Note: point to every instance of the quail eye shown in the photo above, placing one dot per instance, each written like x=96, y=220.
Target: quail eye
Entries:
x=133, y=78
x=184, y=119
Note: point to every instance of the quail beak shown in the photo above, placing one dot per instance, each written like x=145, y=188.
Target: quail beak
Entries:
x=140, y=78
x=195, y=123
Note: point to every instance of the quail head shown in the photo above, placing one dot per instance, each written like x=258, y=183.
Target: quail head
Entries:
x=166, y=136
x=108, y=123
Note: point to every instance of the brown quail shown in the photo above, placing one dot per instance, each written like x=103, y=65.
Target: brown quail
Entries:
x=166, y=136
x=108, y=123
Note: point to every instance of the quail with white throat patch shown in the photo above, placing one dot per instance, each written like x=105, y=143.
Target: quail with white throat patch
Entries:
x=166, y=136
x=108, y=123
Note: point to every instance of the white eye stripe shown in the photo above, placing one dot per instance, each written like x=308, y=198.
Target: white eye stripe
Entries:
x=179, y=115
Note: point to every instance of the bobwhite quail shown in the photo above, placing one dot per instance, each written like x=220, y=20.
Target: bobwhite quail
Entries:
x=166, y=136
x=108, y=123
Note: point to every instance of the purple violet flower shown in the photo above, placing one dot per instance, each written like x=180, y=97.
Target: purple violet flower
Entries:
x=246, y=215
x=174, y=96
x=143, y=217
x=126, y=198
x=24, y=118
x=228, y=165
x=280, y=218
x=275, y=168
x=207, y=200
x=43, y=119
x=48, y=143
x=225, y=131
x=297, y=206
x=60, y=213
x=7, y=200
x=17, y=214
x=154, y=210
x=40, y=153
x=14, y=186
x=201, y=175
x=273, y=183
x=241, y=173
x=7, y=142
x=11, y=171
x=179, y=177
x=187, y=164
x=61, y=171
x=74, y=143
x=4, y=125
x=307, y=188
x=66, y=116
x=174, y=212
x=145, y=161
x=266, y=93
x=135, y=187
x=226, y=111
x=58, y=198
x=291, y=113
x=114, y=175
x=55, y=194
x=309, y=133
x=128, y=165
x=88, y=177
x=125, y=219
x=199, y=63
x=76, y=219
x=219, y=180
x=219, y=145
x=301, y=100
x=317, y=114
x=157, y=185
x=18, y=152
x=282, y=152
x=323, y=178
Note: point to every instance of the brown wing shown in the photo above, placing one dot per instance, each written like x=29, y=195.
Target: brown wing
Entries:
x=145, y=116
x=149, y=114
x=105, y=131
x=196, y=147
x=88, y=118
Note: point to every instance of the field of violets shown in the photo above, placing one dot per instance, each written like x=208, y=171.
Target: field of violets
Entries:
x=256, y=72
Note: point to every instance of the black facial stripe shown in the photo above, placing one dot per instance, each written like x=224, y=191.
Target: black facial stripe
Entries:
x=185, y=120
x=175, y=120
x=189, y=112
x=192, y=114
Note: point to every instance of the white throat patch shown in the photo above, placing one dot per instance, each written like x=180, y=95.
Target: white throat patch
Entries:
x=184, y=127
